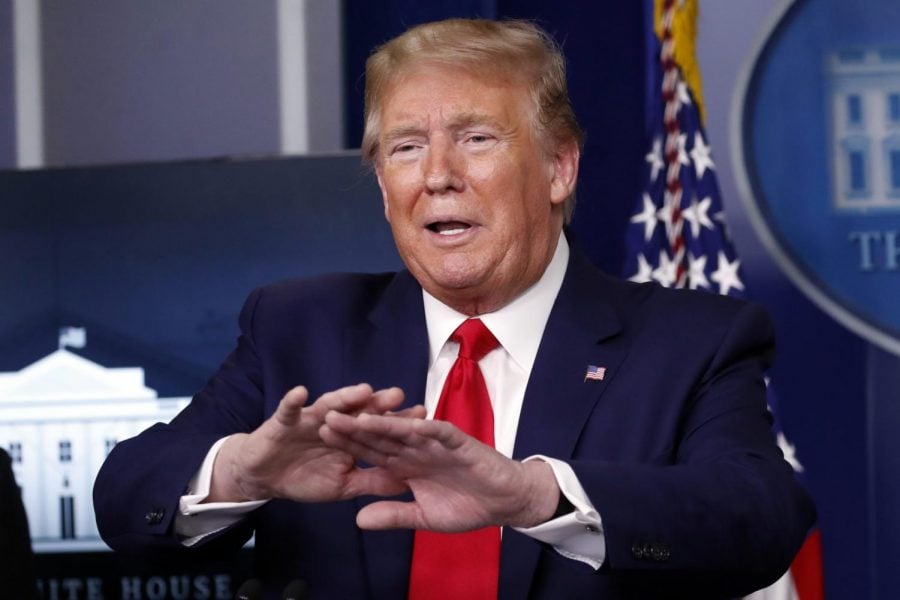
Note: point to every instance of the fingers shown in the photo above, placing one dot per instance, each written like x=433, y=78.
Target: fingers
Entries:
x=346, y=399
x=386, y=426
x=375, y=438
x=408, y=448
x=339, y=433
x=387, y=400
x=389, y=426
x=353, y=399
x=374, y=481
x=288, y=411
x=297, y=420
x=357, y=399
x=390, y=430
x=389, y=514
x=413, y=412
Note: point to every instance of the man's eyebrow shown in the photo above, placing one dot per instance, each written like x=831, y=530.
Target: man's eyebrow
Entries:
x=403, y=131
x=460, y=121
x=465, y=120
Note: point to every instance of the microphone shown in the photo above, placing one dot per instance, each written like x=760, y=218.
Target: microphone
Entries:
x=296, y=590
x=251, y=589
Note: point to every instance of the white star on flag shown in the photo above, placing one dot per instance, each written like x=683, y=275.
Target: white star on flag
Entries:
x=682, y=149
x=726, y=274
x=647, y=217
x=667, y=271
x=644, y=272
x=696, y=275
x=790, y=453
x=697, y=215
x=702, y=155
x=666, y=214
x=654, y=157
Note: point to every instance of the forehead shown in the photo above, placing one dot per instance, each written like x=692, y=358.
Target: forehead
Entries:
x=448, y=93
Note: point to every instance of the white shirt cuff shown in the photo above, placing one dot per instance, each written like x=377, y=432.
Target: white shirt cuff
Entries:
x=194, y=520
x=579, y=534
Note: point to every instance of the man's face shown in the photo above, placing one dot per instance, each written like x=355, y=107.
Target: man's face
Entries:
x=474, y=202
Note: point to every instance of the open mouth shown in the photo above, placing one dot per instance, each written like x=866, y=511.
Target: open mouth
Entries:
x=448, y=227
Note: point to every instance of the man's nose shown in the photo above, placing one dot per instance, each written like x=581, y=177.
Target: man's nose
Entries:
x=443, y=167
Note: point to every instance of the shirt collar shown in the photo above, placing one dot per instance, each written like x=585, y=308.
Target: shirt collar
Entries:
x=532, y=306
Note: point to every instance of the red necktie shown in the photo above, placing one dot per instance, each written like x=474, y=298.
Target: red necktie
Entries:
x=461, y=565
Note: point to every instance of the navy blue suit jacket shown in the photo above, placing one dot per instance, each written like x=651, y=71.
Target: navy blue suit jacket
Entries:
x=673, y=446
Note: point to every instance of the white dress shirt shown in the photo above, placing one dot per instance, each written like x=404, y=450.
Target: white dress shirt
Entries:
x=506, y=369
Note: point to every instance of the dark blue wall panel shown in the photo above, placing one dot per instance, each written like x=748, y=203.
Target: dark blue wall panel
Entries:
x=155, y=260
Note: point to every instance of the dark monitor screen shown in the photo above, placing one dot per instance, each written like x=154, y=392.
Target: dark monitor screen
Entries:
x=155, y=260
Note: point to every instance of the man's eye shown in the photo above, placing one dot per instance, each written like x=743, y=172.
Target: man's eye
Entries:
x=479, y=138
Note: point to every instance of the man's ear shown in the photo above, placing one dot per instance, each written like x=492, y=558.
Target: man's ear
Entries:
x=387, y=209
x=564, y=165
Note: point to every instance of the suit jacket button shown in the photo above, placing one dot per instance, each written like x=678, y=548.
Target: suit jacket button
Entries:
x=637, y=551
x=660, y=552
x=154, y=516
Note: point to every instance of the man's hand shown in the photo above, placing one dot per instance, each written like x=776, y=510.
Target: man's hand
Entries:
x=459, y=484
x=285, y=457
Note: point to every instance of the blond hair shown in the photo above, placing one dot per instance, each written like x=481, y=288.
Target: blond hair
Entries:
x=511, y=48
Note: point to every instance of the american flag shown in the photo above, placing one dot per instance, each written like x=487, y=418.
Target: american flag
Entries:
x=677, y=235
x=595, y=373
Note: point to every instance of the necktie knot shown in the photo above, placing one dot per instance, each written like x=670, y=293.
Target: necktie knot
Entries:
x=475, y=339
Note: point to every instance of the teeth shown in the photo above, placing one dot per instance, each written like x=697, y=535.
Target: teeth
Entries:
x=453, y=231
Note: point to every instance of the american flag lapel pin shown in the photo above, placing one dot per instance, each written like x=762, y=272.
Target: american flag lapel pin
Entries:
x=595, y=373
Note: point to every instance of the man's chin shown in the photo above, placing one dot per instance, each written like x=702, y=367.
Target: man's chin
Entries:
x=470, y=296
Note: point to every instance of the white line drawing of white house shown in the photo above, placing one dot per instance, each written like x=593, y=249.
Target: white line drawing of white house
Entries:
x=865, y=127
x=59, y=418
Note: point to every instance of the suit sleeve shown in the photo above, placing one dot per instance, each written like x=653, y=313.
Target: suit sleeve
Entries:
x=137, y=491
x=724, y=507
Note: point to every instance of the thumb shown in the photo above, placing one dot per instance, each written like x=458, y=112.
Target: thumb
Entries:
x=288, y=411
x=388, y=514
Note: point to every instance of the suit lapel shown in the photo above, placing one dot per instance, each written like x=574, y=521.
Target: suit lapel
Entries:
x=559, y=400
x=390, y=349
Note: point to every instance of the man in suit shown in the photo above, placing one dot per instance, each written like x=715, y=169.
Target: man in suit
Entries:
x=629, y=452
